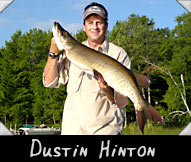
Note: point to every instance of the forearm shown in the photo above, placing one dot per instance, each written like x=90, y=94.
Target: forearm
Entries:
x=50, y=70
x=51, y=67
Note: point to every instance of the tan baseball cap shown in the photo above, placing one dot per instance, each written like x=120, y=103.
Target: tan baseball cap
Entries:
x=95, y=10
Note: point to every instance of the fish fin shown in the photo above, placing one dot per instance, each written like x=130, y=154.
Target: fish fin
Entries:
x=141, y=119
x=142, y=80
x=120, y=100
x=96, y=74
x=152, y=114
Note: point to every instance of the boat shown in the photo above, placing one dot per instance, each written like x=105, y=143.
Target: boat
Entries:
x=39, y=130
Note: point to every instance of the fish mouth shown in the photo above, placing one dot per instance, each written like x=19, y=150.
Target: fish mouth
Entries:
x=57, y=25
x=59, y=28
x=61, y=31
x=63, y=38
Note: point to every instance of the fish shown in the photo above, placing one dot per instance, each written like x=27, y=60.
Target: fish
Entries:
x=117, y=76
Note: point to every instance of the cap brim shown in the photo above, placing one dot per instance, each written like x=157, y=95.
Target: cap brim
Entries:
x=93, y=12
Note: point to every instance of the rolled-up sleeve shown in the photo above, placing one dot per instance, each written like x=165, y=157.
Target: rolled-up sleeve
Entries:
x=63, y=71
x=124, y=59
x=52, y=84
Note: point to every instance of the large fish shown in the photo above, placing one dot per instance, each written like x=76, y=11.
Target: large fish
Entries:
x=121, y=79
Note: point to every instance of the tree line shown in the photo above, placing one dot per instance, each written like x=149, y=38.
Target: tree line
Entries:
x=162, y=54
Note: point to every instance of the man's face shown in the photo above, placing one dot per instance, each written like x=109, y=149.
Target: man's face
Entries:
x=95, y=28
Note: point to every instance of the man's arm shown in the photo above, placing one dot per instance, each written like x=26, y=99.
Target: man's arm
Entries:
x=51, y=67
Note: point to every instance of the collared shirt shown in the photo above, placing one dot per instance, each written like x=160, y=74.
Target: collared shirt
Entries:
x=87, y=110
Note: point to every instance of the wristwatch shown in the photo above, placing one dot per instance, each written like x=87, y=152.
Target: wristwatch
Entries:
x=52, y=55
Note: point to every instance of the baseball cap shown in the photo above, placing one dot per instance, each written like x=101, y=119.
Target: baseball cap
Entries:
x=95, y=10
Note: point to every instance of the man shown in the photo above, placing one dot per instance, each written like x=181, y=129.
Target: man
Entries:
x=90, y=107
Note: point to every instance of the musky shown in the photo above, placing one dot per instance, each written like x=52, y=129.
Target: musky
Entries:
x=28, y=14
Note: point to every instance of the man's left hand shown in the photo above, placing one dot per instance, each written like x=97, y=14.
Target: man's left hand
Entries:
x=109, y=92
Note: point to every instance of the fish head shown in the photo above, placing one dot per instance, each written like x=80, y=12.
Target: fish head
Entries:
x=63, y=39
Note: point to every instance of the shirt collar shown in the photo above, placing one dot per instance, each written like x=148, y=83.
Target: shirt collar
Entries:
x=104, y=46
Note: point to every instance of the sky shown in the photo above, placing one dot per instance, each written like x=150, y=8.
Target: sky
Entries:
x=28, y=14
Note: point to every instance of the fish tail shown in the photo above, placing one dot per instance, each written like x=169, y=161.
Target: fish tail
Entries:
x=152, y=114
x=141, y=119
x=148, y=112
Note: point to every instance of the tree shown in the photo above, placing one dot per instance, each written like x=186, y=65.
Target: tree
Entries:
x=179, y=67
x=81, y=36
x=22, y=95
x=13, y=78
x=174, y=68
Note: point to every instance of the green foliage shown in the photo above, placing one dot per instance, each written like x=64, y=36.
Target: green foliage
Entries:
x=80, y=36
x=22, y=93
x=169, y=51
x=139, y=38
x=179, y=64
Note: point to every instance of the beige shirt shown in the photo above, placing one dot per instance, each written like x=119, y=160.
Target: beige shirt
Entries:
x=87, y=110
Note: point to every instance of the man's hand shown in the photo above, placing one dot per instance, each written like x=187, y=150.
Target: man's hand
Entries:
x=53, y=47
x=102, y=83
x=109, y=92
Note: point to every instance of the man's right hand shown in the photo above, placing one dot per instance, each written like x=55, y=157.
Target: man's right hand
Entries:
x=53, y=47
